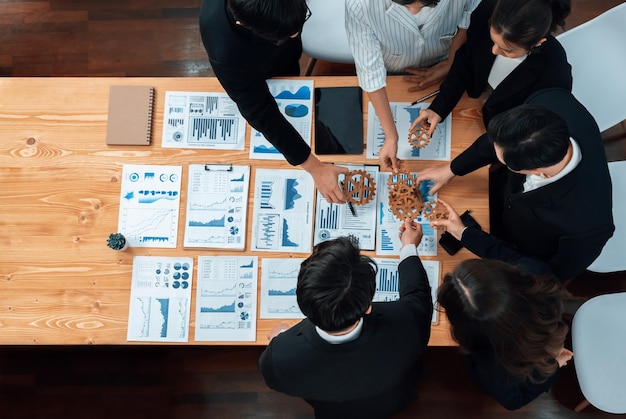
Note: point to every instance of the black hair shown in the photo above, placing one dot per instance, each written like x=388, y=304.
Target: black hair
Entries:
x=425, y=3
x=271, y=19
x=526, y=22
x=336, y=284
x=530, y=136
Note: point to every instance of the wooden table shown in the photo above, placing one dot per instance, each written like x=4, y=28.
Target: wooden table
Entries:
x=59, y=200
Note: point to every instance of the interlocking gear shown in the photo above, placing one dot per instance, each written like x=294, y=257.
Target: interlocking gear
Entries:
x=405, y=200
x=359, y=187
x=434, y=211
x=419, y=137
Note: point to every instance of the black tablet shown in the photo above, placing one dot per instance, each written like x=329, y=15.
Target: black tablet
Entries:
x=338, y=120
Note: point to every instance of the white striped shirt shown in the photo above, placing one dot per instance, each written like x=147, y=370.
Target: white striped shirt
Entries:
x=384, y=36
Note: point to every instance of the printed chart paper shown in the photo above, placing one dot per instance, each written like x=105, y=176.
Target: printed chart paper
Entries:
x=387, y=240
x=160, y=299
x=387, y=280
x=202, y=120
x=217, y=204
x=226, y=295
x=278, y=288
x=149, y=205
x=437, y=149
x=335, y=220
x=295, y=101
x=283, y=211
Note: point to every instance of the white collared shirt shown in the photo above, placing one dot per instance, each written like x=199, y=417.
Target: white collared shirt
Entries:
x=385, y=36
x=534, y=182
x=502, y=67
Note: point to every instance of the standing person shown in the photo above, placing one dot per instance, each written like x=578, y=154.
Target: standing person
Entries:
x=350, y=357
x=510, y=52
x=509, y=326
x=248, y=42
x=397, y=36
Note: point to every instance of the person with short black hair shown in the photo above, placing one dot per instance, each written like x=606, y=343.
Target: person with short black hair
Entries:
x=351, y=357
x=248, y=42
x=509, y=326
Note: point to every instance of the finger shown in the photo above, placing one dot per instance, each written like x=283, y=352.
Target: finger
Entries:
x=451, y=210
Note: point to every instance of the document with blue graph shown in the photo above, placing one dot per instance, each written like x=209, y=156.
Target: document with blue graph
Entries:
x=283, y=211
x=334, y=220
x=149, y=205
x=226, y=298
x=387, y=240
x=279, y=277
x=387, y=280
x=294, y=99
x=202, y=120
x=438, y=147
x=160, y=299
x=217, y=204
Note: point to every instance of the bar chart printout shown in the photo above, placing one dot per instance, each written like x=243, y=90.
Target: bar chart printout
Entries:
x=387, y=280
x=278, y=288
x=160, y=299
x=226, y=298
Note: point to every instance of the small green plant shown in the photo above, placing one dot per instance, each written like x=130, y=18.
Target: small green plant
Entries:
x=116, y=241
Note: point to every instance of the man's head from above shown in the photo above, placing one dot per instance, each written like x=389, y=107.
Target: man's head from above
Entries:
x=275, y=20
x=529, y=137
x=336, y=284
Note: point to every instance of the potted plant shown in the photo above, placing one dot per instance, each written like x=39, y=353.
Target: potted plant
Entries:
x=117, y=241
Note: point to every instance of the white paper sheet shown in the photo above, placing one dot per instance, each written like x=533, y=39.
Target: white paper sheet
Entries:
x=149, y=205
x=278, y=288
x=160, y=299
x=437, y=149
x=226, y=296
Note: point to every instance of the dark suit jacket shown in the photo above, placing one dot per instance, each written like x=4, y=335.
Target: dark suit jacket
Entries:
x=242, y=63
x=545, y=67
x=565, y=223
x=370, y=377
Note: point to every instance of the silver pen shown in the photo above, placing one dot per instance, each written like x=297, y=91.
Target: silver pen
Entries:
x=423, y=98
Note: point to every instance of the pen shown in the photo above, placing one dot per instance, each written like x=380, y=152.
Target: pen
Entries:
x=350, y=206
x=423, y=98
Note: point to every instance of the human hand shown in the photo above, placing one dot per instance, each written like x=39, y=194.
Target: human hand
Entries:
x=441, y=175
x=326, y=177
x=427, y=118
x=388, y=156
x=410, y=232
x=564, y=356
x=277, y=330
x=424, y=77
x=453, y=224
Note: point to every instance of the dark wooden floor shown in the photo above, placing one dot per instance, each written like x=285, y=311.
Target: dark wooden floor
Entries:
x=160, y=38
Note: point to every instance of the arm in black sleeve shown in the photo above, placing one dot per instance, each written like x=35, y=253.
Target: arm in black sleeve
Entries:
x=479, y=154
x=415, y=289
x=258, y=107
x=266, y=367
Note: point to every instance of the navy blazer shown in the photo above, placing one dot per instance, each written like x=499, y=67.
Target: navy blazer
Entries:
x=370, y=377
x=546, y=66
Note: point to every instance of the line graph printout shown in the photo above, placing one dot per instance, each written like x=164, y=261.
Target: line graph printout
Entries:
x=334, y=220
x=149, y=205
x=217, y=203
x=282, y=211
x=387, y=240
x=160, y=299
x=437, y=149
x=202, y=120
x=295, y=101
x=226, y=296
x=387, y=280
x=278, y=288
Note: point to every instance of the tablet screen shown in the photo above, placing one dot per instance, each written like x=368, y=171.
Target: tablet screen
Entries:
x=338, y=120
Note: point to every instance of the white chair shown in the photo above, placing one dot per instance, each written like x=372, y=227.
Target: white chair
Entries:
x=597, y=52
x=599, y=342
x=613, y=255
x=324, y=33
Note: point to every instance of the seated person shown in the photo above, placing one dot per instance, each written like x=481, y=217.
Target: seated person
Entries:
x=553, y=199
x=350, y=357
x=510, y=52
x=508, y=324
x=248, y=42
x=397, y=35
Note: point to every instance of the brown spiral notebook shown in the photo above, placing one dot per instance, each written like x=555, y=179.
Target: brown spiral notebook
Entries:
x=130, y=115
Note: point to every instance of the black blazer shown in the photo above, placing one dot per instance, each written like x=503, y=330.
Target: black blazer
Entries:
x=545, y=67
x=243, y=62
x=565, y=223
x=370, y=377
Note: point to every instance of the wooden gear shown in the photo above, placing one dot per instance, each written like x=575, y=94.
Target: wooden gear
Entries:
x=359, y=187
x=419, y=137
x=434, y=211
x=405, y=201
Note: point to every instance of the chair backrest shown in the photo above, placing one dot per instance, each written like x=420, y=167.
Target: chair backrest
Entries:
x=613, y=255
x=597, y=52
x=324, y=34
x=598, y=341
